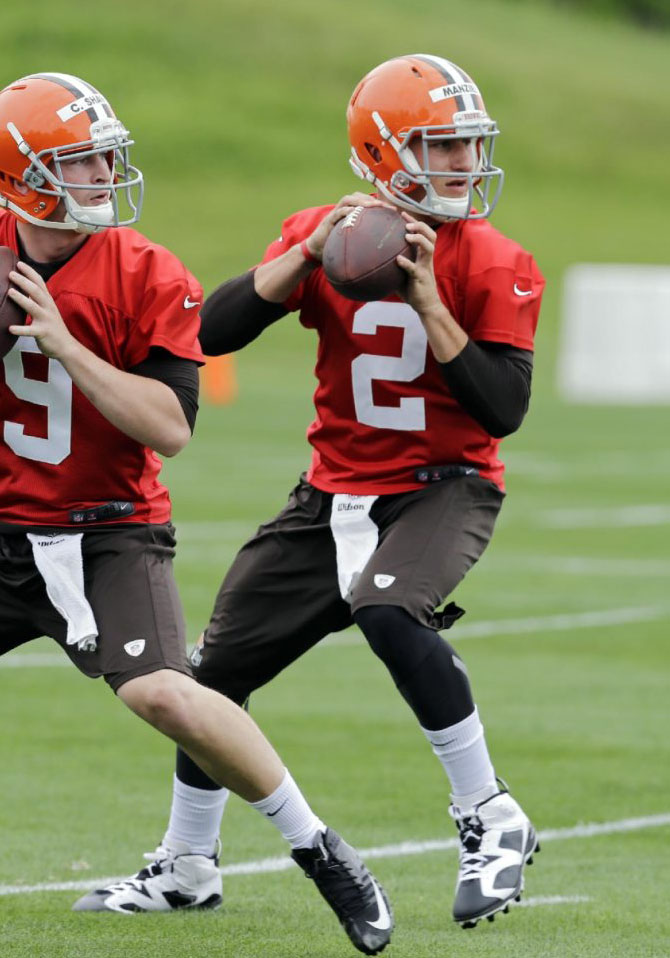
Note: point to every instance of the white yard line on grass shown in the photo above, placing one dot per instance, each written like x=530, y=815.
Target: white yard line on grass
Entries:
x=32, y=660
x=265, y=865
x=473, y=630
x=606, y=517
x=579, y=566
x=554, y=900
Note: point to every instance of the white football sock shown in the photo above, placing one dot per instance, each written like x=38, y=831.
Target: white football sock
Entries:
x=288, y=811
x=195, y=817
x=462, y=750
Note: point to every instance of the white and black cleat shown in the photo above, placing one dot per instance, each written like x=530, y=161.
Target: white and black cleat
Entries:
x=175, y=879
x=355, y=896
x=497, y=842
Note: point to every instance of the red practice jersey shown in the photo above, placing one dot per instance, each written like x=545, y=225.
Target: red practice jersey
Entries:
x=119, y=295
x=383, y=408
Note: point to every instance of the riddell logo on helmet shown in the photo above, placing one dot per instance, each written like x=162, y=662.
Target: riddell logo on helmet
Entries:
x=471, y=116
x=454, y=89
x=81, y=105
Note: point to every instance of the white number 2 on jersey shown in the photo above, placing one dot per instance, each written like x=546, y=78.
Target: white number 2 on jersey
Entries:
x=410, y=414
x=55, y=394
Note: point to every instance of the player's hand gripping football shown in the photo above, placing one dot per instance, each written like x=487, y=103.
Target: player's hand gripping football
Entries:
x=445, y=336
x=50, y=332
x=421, y=289
x=316, y=240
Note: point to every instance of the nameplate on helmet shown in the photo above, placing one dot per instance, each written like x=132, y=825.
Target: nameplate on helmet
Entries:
x=453, y=89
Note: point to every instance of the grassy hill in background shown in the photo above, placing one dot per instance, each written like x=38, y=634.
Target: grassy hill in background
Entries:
x=238, y=113
x=650, y=14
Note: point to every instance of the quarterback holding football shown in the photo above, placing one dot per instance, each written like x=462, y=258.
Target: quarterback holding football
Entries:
x=415, y=391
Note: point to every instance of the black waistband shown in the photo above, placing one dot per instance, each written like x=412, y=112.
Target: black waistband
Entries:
x=437, y=473
x=105, y=512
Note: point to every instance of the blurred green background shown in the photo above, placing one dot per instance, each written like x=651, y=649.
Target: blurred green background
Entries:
x=238, y=115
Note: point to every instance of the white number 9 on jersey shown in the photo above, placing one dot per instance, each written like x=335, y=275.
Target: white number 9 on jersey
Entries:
x=55, y=394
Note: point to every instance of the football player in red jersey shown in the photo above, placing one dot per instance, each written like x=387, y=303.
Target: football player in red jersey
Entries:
x=414, y=394
x=103, y=376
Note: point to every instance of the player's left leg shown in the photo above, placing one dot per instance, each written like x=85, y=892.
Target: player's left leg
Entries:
x=428, y=540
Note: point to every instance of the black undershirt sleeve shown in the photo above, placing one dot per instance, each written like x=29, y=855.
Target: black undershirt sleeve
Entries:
x=234, y=315
x=491, y=381
x=181, y=375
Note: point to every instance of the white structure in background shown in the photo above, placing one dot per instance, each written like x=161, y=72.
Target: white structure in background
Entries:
x=615, y=334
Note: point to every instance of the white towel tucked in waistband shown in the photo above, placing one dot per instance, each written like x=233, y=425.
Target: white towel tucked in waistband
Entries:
x=59, y=562
x=356, y=537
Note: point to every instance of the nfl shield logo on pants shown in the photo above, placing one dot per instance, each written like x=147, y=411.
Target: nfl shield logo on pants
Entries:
x=135, y=648
x=383, y=581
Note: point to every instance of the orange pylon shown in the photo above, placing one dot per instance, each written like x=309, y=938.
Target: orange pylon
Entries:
x=219, y=381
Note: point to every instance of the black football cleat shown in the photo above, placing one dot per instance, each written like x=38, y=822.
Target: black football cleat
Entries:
x=355, y=896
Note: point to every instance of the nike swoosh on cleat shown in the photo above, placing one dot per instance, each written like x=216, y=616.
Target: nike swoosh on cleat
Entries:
x=383, y=923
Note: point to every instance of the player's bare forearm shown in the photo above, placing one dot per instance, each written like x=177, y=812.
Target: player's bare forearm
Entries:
x=276, y=280
x=144, y=409
x=445, y=336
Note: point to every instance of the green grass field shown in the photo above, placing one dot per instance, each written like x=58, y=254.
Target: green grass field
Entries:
x=566, y=641
x=238, y=113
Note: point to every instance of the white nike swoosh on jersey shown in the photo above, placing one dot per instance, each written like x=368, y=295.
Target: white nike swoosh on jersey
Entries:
x=384, y=920
x=522, y=292
x=189, y=304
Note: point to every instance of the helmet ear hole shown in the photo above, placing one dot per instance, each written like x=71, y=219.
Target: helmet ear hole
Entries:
x=17, y=187
x=374, y=152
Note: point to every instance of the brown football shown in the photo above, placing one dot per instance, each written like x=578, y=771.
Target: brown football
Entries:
x=359, y=257
x=10, y=313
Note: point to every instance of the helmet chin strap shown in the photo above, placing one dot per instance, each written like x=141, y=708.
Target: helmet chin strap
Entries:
x=87, y=219
x=439, y=207
x=450, y=207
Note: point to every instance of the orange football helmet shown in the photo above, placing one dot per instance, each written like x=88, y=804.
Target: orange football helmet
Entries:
x=46, y=118
x=431, y=99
